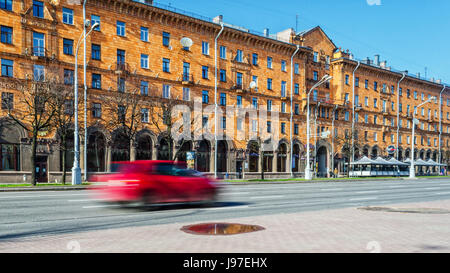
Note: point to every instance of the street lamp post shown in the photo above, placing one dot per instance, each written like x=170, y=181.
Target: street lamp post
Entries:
x=76, y=170
x=412, y=172
x=440, y=124
x=215, y=99
x=325, y=78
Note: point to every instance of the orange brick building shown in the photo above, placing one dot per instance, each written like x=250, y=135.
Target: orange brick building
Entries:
x=137, y=46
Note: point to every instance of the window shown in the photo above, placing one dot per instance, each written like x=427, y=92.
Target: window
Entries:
x=347, y=77
x=239, y=55
x=144, y=88
x=120, y=57
x=366, y=101
x=121, y=113
x=375, y=136
x=144, y=34
x=7, y=101
x=375, y=119
x=415, y=95
x=316, y=56
x=255, y=79
x=95, y=19
x=296, y=89
x=223, y=75
x=204, y=121
x=224, y=123
x=255, y=103
x=96, y=81
x=166, y=65
x=67, y=16
x=375, y=86
x=96, y=110
x=315, y=76
x=283, y=107
x=38, y=44
x=68, y=46
x=166, y=39
x=296, y=69
x=283, y=66
x=186, y=93
x=38, y=9
x=283, y=89
x=205, y=72
x=239, y=79
x=223, y=99
x=6, y=35
x=96, y=52
x=120, y=28
x=295, y=129
x=68, y=76
x=205, y=96
x=269, y=126
x=6, y=4
x=121, y=84
x=356, y=81
x=254, y=125
x=144, y=61
x=375, y=103
x=366, y=84
x=166, y=91
x=297, y=109
x=347, y=115
x=423, y=97
x=269, y=105
x=239, y=101
x=68, y=107
x=144, y=115
x=255, y=59
x=269, y=62
x=7, y=68
x=223, y=52
x=39, y=72
x=205, y=48
x=269, y=84
x=283, y=128
x=315, y=93
x=346, y=97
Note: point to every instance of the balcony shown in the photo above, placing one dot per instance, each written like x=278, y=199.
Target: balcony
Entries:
x=238, y=88
x=122, y=68
x=187, y=79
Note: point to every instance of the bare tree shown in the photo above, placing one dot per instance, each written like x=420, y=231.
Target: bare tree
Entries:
x=349, y=142
x=36, y=107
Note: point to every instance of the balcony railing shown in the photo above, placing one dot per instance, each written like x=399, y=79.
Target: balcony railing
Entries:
x=187, y=78
x=121, y=68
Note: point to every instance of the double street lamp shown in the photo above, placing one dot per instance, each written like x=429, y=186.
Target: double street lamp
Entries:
x=412, y=172
x=76, y=170
x=324, y=79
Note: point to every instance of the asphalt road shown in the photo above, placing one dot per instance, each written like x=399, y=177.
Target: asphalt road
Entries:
x=25, y=214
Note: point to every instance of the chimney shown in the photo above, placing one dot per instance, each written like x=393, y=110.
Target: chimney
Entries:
x=218, y=19
x=377, y=60
x=383, y=64
x=266, y=32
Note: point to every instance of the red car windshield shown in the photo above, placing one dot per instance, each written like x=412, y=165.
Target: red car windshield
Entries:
x=174, y=170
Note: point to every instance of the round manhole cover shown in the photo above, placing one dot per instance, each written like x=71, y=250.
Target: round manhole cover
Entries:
x=220, y=228
x=409, y=210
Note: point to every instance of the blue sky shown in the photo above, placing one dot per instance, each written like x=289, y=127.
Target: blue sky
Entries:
x=411, y=35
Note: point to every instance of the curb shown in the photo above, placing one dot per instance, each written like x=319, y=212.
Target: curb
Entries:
x=231, y=183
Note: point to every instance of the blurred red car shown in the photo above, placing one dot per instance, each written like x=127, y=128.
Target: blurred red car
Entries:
x=152, y=182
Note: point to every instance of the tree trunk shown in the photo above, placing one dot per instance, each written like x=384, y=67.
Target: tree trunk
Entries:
x=262, y=165
x=33, y=158
x=64, y=150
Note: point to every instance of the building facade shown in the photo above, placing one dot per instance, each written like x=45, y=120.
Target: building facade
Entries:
x=249, y=88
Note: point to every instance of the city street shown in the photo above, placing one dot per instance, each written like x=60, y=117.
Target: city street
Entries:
x=33, y=217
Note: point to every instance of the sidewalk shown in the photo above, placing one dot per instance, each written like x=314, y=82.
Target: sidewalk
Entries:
x=349, y=230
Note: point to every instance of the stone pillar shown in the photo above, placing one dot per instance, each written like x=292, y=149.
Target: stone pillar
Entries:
x=108, y=157
x=132, y=150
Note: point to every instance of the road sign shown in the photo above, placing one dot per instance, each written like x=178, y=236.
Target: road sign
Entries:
x=391, y=149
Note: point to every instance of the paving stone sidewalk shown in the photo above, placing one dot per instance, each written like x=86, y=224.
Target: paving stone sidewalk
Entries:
x=349, y=230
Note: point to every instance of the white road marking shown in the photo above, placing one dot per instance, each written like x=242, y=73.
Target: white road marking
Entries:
x=100, y=206
x=230, y=207
x=366, y=198
x=364, y=192
x=267, y=197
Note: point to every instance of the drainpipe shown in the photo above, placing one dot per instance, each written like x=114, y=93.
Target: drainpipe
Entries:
x=215, y=100
x=292, y=88
x=440, y=123
x=353, y=112
x=398, y=113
